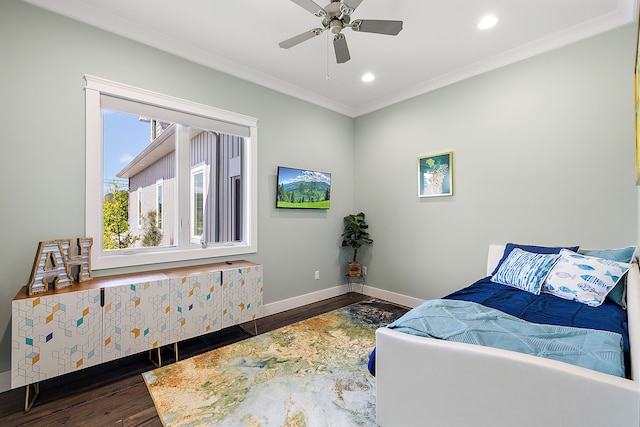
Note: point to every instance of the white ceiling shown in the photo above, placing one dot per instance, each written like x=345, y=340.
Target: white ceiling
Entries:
x=438, y=45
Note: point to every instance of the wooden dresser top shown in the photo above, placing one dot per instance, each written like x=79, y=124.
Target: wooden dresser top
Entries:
x=139, y=277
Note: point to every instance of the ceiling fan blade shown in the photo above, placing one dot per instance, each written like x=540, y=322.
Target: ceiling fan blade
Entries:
x=341, y=48
x=390, y=28
x=300, y=38
x=353, y=4
x=311, y=6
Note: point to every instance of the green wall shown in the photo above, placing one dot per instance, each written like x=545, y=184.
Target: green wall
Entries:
x=543, y=152
x=42, y=160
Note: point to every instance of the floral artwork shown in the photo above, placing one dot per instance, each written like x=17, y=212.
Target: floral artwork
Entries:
x=435, y=175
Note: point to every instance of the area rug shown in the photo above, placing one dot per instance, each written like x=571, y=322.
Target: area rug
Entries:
x=311, y=373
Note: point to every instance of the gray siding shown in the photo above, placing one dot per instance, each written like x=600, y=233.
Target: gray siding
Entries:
x=164, y=168
x=203, y=150
x=230, y=147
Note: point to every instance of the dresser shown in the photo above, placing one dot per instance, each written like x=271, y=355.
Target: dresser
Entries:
x=107, y=318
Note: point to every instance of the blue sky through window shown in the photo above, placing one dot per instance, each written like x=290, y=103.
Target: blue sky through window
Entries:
x=125, y=136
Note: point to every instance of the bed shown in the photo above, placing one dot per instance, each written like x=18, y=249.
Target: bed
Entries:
x=434, y=382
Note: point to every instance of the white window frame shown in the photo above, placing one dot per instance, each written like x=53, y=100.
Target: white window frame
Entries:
x=159, y=202
x=234, y=207
x=184, y=250
x=139, y=207
x=198, y=169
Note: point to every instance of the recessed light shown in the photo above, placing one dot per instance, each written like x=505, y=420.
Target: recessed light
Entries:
x=368, y=77
x=487, y=22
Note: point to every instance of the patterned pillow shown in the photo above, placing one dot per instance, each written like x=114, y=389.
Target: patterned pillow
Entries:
x=584, y=278
x=531, y=248
x=619, y=293
x=525, y=270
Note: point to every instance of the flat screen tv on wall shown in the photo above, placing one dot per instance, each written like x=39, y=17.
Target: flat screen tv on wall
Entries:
x=303, y=189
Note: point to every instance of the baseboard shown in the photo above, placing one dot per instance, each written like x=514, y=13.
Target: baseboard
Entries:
x=295, y=302
x=5, y=381
x=393, y=297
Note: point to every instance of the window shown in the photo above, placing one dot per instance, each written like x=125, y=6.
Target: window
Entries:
x=159, y=203
x=180, y=174
x=139, y=205
x=236, y=208
x=196, y=205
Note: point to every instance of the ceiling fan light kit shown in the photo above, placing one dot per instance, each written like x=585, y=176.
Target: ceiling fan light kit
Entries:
x=335, y=17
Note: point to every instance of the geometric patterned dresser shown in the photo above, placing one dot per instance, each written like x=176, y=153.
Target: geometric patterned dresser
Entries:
x=106, y=318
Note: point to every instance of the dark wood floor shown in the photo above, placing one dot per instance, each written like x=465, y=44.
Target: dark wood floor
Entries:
x=114, y=394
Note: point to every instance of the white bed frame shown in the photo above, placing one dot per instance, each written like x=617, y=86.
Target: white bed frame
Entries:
x=430, y=382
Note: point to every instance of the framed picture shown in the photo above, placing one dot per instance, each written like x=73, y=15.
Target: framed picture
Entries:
x=435, y=175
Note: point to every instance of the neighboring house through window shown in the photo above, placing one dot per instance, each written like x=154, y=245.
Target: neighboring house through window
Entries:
x=191, y=174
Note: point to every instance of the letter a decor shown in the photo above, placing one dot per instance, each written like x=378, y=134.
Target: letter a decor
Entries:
x=56, y=267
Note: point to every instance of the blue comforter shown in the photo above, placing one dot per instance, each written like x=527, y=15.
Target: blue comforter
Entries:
x=472, y=323
x=547, y=308
x=543, y=309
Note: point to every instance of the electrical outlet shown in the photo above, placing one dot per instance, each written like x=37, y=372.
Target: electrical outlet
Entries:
x=364, y=270
x=317, y=275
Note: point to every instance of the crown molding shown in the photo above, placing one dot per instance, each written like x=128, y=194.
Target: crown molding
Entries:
x=627, y=12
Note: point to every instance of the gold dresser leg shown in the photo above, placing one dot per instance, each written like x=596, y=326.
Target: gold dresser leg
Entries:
x=36, y=391
x=245, y=327
x=157, y=364
x=175, y=350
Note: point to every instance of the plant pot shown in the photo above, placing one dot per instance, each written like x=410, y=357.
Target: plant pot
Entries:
x=355, y=269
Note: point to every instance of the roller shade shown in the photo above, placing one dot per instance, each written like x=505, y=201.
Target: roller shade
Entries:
x=150, y=111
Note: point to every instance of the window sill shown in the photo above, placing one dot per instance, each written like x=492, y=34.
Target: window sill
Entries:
x=136, y=257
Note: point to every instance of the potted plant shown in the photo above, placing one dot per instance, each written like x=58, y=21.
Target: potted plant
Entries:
x=355, y=235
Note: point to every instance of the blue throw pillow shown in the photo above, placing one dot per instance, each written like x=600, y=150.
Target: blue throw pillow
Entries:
x=530, y=248
x=525, y=270
x=619, y=293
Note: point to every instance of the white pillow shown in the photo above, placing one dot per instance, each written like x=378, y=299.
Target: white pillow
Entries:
x=583, y=278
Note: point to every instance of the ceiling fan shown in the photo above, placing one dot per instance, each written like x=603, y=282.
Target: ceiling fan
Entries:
x=335, y=17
